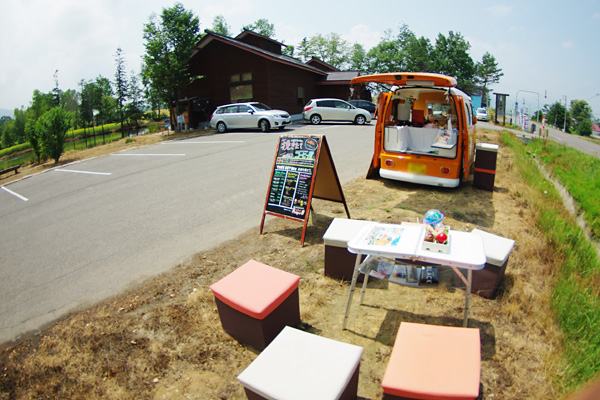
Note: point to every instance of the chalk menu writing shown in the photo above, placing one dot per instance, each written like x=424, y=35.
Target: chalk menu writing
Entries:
x=292, y=176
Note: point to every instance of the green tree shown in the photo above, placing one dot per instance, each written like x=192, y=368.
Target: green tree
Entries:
x=417, y=53
x=358, y=61
x=220, y=26
x=53, y=127
x=557, y=113
x=584, y=128
x=169, y=44
x=19, y=126
x=450, y=56
x=120, y=87
x=487, y=73
x=331, y=49
x=33, y=133
x=41, y=103
x=386, y=55
x=6, y=132
x=134, y=107
x=262, y=27
x=580, y=111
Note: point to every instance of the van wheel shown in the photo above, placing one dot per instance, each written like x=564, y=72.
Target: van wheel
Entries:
x=315, y=119
x=264, y=125
x=221, y=127
x=360, y=120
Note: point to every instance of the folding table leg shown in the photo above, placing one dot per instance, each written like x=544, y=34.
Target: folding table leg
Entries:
x=364, y=288
x=352, y=285
x=468, y=297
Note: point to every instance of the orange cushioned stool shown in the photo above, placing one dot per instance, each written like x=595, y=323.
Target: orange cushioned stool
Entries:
x=433, y=362
x=256, y=302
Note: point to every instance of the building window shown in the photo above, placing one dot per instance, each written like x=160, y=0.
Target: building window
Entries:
x=300, y=95
x=241, y=87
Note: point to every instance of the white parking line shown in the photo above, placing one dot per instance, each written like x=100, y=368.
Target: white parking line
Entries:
x=14, y=194
x=207, y=142
x=83, y=172
x=148, y=155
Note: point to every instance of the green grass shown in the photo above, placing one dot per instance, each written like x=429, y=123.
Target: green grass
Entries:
x=578, y=173
x=575, y=298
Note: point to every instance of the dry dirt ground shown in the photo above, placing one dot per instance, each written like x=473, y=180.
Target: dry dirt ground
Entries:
x=164, y=340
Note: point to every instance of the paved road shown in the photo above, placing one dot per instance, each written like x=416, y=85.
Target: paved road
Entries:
x=87, y=231
x=557, y=135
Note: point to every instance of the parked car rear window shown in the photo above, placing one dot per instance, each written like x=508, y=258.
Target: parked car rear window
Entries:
x=326, y=103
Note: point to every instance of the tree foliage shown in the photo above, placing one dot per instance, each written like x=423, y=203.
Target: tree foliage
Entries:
x=487, y=73
x=262, y=27
x=169, y=43
x=52, y=129
x=121, y=86
x=557, y=115
x=581, y=113
x=331, y=49
x=450, y=56
x=220, y=26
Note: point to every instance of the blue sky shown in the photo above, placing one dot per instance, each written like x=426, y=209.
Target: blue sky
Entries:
x=545, y=48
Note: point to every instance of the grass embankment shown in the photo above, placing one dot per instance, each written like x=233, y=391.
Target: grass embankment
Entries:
x=576, y=298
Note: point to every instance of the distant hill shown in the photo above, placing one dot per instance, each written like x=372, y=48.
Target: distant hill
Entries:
x=5, y=112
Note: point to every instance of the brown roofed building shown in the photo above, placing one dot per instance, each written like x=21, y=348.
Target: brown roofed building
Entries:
x=251, y=67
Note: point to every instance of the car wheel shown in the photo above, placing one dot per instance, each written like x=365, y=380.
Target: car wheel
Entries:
x=315, y=119
x=360, y=119
x=221, y=127
x=264, y=125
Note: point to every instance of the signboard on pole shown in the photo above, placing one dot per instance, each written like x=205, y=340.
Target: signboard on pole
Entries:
x=303, y=169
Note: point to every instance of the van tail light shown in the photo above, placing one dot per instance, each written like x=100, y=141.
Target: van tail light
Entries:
x=445, y=170
x=389, y=163
x=307, y=108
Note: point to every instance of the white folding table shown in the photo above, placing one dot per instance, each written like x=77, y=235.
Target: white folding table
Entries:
x=404, y=243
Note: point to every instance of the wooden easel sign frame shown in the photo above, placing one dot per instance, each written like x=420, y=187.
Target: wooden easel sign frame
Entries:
x=303, y=169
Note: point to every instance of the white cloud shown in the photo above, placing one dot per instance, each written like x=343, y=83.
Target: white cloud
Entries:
x=567, y=44
x=363, y=35
x=500, y=10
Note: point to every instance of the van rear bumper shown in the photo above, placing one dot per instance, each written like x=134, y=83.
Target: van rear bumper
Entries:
x=417, y=178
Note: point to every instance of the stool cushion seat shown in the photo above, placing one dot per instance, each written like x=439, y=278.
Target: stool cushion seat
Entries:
x=255, y=289
x=298, y=365
x=496, y=248
x=434, y=362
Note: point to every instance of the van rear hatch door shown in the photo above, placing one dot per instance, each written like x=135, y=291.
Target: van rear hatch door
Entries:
x=422, y=79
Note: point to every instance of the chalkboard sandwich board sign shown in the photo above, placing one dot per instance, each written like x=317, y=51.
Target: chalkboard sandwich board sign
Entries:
x=303, y=169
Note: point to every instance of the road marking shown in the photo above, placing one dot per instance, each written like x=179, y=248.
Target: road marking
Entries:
x=148, y=155
x=83, y=172
x=15, y=194
x=207, y=142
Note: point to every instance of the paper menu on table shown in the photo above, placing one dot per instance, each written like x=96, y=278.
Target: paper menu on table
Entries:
x=388, y=240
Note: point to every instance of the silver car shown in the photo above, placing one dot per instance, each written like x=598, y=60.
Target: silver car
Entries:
x=318, y=110
x=481, y=114
x=253, y=115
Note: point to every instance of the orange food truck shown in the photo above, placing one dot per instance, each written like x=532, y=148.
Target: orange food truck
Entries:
x=425, y=129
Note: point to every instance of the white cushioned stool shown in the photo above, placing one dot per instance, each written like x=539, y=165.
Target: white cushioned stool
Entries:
x=256, y=301
x=433, y=362
x=298, y=365
x=497, y=251
x=339, y=262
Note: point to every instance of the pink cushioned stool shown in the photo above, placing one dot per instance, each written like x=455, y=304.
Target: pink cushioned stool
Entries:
x=433, y=362
x=256, y=302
